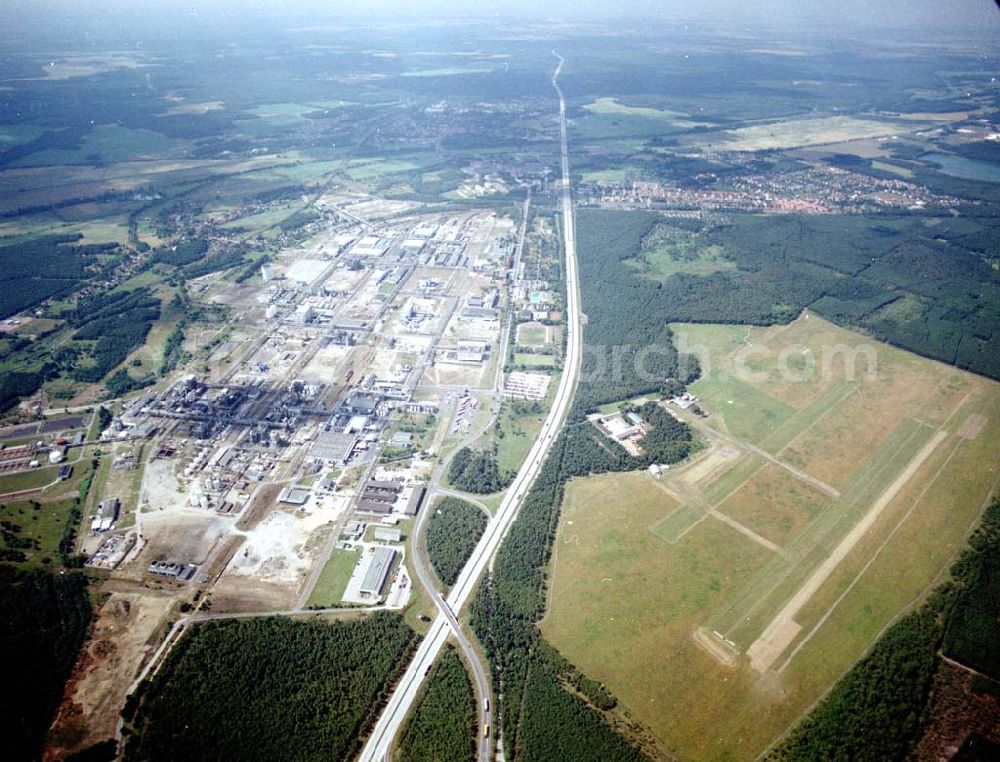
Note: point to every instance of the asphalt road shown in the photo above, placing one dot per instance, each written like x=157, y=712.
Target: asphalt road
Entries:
x=391, y=720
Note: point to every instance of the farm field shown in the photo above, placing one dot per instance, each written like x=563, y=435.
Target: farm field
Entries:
x=719, y=601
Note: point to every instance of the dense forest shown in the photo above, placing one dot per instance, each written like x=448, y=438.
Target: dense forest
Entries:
x=267, y=688
x=43, y=622
x=972, y=636
x=183, y=253
x=929, y=288
x=454, y=528
x=44, y=268
x=625, y=355
x=477, y=471
x=443, y=725
x=116, y=323
x=878, y=710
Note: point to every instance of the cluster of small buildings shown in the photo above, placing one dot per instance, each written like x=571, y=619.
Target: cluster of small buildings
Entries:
x=816, y=189
x=173, y=570
x=106, y=515
x=621, y=426
x=687, y=401
x=382, y=498
x=625, y=428
x=112, y=551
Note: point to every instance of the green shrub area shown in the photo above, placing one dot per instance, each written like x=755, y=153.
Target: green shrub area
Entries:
x=299, y=219
x=222, y=260
x=267, y=689
x=453, y=530
x=116, y=323
x=43, y=622
x=17, y=384
x=626, y=355
x=477, y=471
x=877, y=710
x=443, y=726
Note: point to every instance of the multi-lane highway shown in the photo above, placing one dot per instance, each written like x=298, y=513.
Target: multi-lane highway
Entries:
x=380, y=742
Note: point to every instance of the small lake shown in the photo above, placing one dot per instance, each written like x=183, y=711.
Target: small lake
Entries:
x=970, y=169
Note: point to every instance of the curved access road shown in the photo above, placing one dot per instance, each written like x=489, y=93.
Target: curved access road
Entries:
x=391, y=720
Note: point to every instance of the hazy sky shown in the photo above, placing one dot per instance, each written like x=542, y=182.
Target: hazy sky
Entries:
x=55, y=16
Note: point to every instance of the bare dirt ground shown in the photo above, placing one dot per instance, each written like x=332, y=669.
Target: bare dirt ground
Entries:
x=267, y=571
x=716, y=648
x=713, y=462
x=235, y=593
x=123, y=636
x=955, y=711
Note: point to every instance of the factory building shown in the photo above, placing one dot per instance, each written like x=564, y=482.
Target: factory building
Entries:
x=107, y=515
x=378, y=572
x=387, y=534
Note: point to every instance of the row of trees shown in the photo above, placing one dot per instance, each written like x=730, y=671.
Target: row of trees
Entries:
x=507, y=607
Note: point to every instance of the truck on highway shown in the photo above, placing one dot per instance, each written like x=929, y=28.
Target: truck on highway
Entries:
x=486, y=704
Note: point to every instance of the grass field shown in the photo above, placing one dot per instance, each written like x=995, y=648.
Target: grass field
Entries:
x=538, y=361
x=668, y=251
x=614, y=175
x=802, y=132
x=34, y=478
x=821, y=507
x=611, y=106
x=365, y=170
x=42, y=517
x=533, y=334
x=333, y=580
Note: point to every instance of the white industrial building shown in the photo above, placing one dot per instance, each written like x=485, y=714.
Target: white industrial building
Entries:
x=378, y=572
